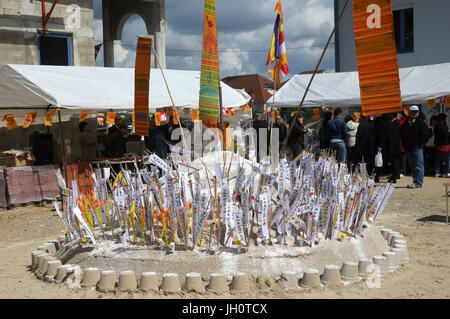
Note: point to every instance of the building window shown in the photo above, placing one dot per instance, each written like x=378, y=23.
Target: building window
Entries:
x=55, y=49
x=404, y=30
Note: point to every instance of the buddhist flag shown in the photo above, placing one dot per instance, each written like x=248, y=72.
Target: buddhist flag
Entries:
x=277, y=63
x=10, y=121
x=376, y=54
x=101, y=119
x=49, y=117
x=210, y=74
x=84, y=115
x=110, y=118
x=142, y=85
x=29, y=119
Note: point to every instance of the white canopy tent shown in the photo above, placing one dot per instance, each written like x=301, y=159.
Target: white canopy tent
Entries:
x=418, y=84
x=33, y=87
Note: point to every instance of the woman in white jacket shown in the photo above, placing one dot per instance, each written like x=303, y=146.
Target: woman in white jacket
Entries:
x=352, y=156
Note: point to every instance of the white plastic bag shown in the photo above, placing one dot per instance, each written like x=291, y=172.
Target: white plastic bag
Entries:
x=379, y=160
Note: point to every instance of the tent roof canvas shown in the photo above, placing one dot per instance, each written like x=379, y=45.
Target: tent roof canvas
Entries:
x=418, y=84
x=98, y=88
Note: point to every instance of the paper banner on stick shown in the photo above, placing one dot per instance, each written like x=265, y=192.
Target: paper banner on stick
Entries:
x=84, y=115
x=195, y=116
x=246, y=108
x=431, y=103
x=49, y=117
x=447, y=101
x=142, y=85
x=29, y=119
x=111, y=118
x=376, y=54
x=10, y=121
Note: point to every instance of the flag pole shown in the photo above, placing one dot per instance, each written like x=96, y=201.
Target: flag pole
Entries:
x=314, y=74
x=273, y=106
x=171, y=99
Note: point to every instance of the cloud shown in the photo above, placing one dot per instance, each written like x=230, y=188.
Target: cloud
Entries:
x=245, y=31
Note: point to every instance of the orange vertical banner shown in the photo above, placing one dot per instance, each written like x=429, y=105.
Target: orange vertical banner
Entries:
x=376, y=54
x=142, y=85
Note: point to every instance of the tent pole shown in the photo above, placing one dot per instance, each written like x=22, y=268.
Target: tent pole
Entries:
x=313, y=75
x=61, y=136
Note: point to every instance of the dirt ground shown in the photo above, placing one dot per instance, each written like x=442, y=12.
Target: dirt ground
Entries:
x=419, y=214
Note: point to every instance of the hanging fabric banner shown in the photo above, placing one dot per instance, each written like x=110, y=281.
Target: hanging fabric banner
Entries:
x=376, y=54
x=111, y=118
x=142, y=85
x=29, y=119
x=210, y=75
x=10, y=121
x=49, y=117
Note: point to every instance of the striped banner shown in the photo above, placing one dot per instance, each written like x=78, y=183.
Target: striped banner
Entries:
x=376, y=54
x=210, y=75
x=142, y=85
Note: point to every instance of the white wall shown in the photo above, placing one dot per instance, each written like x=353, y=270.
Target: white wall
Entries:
x=431, y=34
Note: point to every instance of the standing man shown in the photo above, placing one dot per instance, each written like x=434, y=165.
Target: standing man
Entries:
x=415, y=134
x=88, y=142
x=366, y=142
x=337, y=133
x=282, y=130
x=390, y=145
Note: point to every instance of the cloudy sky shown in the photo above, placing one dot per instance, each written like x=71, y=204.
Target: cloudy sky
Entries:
x=245, y=31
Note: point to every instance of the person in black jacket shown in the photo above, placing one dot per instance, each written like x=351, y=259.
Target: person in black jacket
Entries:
x=156, y=140
x=415, y=134
x=442, y=146
x=390, y=137
x=324, y=141
x=366, y=142
x=282, y=130
x=296, y=141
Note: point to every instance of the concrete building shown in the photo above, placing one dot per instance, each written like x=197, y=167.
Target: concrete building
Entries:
x=70, y=30
x=421, y=32
x=69, y=33
x=116, y=14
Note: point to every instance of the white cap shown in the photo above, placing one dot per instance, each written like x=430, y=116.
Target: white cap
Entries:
x=414, y=108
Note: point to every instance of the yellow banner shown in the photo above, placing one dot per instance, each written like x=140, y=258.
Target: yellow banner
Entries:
x=84, y=115
x=111, y=118
x=10, y=121
x=431, y=103
x=49, y=117
x=29, y=119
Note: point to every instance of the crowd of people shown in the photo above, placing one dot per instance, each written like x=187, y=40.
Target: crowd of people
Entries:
x=400, y=139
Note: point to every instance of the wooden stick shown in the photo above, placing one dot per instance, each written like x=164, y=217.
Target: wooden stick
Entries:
x=314, y=74
x=171, y=99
